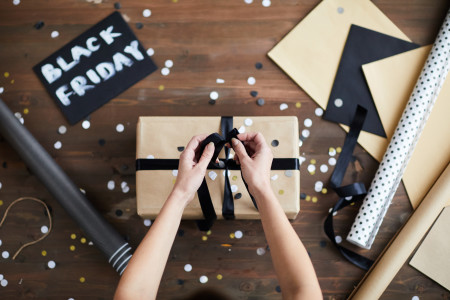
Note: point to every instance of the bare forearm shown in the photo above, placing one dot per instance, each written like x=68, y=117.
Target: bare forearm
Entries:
x=291, y=261
x=142, y=277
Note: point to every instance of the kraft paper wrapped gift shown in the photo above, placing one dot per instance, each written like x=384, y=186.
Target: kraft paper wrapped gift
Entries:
x=161, y=137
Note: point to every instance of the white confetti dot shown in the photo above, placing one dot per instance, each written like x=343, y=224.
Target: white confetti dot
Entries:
x=5, y=254
x=54, y=34
x=120, y=127
x=307, y=122
x=301, y=159
x=234, y=188
x=323, y=168
x=150, y=51
x=238, y=234
x=230, y=155
x=71, y=299
x=1, y=277
x=111, y=185
x=51, y=264
x=338, y=239
x=214, y=95
x=318, y=112
x=332, y=152
x=261, y=251
x=332, y=161
x=165, y=71
x=175, y=172
x=251, y=80
x=274, y=177
x=16, y=2
x=266, y=3
x=0, y=242
x=311, y=168
x=147, y=222
x=220, y=80
x=318, y=186
x=0, y=189
x=348, y=198
x=86, y=124
x=123, y=184
x=4, y=282
x=146, y=13
x=203, y=279
x=338, y=102
x=57, y=145
x=415, y=298
x=126, y=189
x=248, y=1
x=283, y=106
x=241, y=129
x=222, y=165
x=1, y=90
x=62, y=129
x=305, y=133
x=44, y=229
x=169, y=63
x=300, y=143
x=248, y=122
x=188, y=267
x=212, y=175
x=150, y=156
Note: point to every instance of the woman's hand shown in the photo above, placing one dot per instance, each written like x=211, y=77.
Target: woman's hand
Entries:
x=192, y=168
x=255, y=158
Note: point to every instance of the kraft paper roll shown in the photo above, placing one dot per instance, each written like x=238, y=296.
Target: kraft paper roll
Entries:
x=401, y=146
x=101, y=233
x=395, y=255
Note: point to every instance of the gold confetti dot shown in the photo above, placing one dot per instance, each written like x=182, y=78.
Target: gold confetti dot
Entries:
x=44, y=253
x=12, y=81
x=83, y=240
x=232, y=235
x=225, y=245
x=338, y=149
x=175, y=1
x=312, y=172
x=26, y=111
x=73, y=236
x=308, y=198
x=209, y=232
x=313, y=161
x=281, y=192
x=161, y=88
x=353, y=203
x=324, y=191
x=298, y=105
x=204, y=238
x=82, y=279
x=234, y=178
x=314, y=199
x=6, y=74
x=219, y=276
x=1, y=202
x=173, y=181
x=72, y=248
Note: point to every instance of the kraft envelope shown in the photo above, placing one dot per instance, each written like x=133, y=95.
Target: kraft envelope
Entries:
x=432, y=256
x=391, y=81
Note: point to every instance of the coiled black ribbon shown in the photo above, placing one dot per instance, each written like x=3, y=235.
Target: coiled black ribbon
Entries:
x=353, y=192
x=225, y=164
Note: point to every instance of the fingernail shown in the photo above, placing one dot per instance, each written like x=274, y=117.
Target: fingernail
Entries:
x=210, y=144
x=234, y=141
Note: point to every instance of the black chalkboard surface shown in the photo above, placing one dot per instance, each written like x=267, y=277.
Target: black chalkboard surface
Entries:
x=94, y=68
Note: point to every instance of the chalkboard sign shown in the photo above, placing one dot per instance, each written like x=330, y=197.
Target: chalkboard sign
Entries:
x=94, y=68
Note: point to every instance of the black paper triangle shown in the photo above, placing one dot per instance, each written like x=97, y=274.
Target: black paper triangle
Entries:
x=350, y=88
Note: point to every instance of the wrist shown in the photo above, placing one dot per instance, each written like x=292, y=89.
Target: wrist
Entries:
x=179, y=196
x=261, y=190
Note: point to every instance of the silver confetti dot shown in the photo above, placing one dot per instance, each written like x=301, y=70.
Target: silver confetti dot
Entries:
x=234, y=188
x=288, y=173
x=220, y=80
x=238, y=234
x=261, y=251
x=169, y=63
x=248, y=122
x=51, y=264
x=274, y=177
x=248, y=1
x=338, y=102
x=241, y=129
x=54, y=34
x=57, y=145
x=165, y=71
x=1, y=90
x=332, y=161
x=16, y=2
x=338, y=239
x=340, y=10
x=266, y=3
x=120, y=128
x=323, y=168
x=305, y=133
x=203, y=279
x=111, y=185
x=214, y=95
x=1, y=277
x=188, y=267
x=62, y=129
x=5, y=254
x=146, y=13
x=175, y=172
x=283, y=106
x=44, y=229
x=150, y=51
x=318, y=112
x=147, y=222
x=212, y=175
x=251, y=80
x=4, y=282
x=307, y=122
x=86, y=124
x=311, y=168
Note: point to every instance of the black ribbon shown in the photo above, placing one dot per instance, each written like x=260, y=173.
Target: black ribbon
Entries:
x=356, y=190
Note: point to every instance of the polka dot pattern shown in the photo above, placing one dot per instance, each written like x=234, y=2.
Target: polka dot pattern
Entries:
x=401, y=146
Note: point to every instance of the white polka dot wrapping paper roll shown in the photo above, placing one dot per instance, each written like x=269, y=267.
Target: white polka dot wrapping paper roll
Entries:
x=391, y=169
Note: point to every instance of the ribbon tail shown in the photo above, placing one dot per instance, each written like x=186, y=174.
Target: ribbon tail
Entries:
x=207, y=208
x=228, y=203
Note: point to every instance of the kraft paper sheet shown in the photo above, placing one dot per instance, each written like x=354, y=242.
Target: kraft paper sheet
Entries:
x=160, y=137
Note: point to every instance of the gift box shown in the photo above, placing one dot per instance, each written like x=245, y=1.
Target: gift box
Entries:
x=163, y=138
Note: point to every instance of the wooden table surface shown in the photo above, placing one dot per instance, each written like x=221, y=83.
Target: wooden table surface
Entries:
x=206, y=40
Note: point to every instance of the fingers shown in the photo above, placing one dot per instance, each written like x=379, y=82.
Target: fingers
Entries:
x=239, y=149
x=206, y=156
x=192, y=147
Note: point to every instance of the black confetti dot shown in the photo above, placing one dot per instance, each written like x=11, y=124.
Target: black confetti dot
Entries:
x=101, y=142
x=124, y=167
x=302, y=196
x=253, y=93
x=5, y=165
x=258, y=65
x=260, y=101
x=278, y=289
x=180, y=232
x=139, y=25
x=180, y=149
x=323, y=244
x=238, y=196
x=39, y=25
x=180, y=281
x=212, y=102
x=117, y=5
x=119, y=212
x=275, y=143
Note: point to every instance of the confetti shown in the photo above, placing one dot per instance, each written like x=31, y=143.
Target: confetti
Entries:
x=120, y=127
x=258, y=65
x=318, y=186
x=260, y=102
x=305, y=133
x=338, y=149
x=62, y=129
x=219, y=277
x=298, y=105
x=311, y=168
x=307, y=122
x=281, y=192
x=238, y=196
x=415, y=298
x=301, y=159
x=82, y=279
x=274, y=177
x=220, y=80
x=324, y=168
x=318, y=112
x=73, y=236
x=83, y=240
x=332, y=151
x=241, y=129
x=44, y=253
x=188, y=267
x=5, y=254
x=175, y=173
x=203, y=279
x=117, y=5
x=212, y=175
x=275, y=143
x=204, y=238
x=51, y=264
x=338, y=239
x=248, y=122
x=6, y=74
x=214, y=95
x=150, y=51
x=139, y=25
x=238, y=234
x=248, y=1
x=266, y=3
x=340, y=10
x=147, y=222
x=16, y=2
x=1, y=90
x=260, y=251
x=332, y=161
x=165, y=71
x=111, y=185
x=54, y=34
x=251, y=80
x=72, y=248
x=288, y=173
x=231, y=235
x=0, y=242
x=324, y=191
x=314, y=199
x=150, y=156
x=234, y=188
x=4, y=282
x=283, y=106
x=57, y=145
x=86, y=124
x=146, y=13
x=168, y=63
x=44, y=229
x=1, y=277
x=338, y=102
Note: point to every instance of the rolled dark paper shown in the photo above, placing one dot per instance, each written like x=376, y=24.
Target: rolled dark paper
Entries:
x=101, y=233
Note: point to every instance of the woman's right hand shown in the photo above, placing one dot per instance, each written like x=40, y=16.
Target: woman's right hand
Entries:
x=255, y=158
